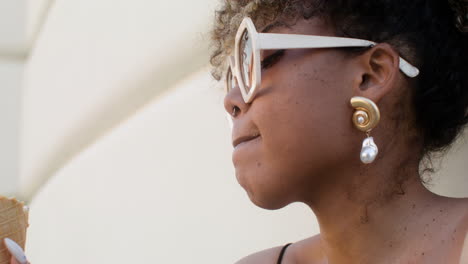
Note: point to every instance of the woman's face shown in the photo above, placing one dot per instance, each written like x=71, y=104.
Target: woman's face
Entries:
x=303, y=115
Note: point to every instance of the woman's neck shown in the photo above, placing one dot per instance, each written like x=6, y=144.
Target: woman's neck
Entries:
x=372, y=213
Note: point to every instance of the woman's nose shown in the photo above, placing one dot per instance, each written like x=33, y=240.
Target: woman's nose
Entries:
x=234, y=103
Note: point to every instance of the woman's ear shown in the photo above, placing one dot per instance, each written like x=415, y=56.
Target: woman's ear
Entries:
x=378, y=70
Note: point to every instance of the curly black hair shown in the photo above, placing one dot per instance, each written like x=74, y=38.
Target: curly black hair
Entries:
x=428, y=33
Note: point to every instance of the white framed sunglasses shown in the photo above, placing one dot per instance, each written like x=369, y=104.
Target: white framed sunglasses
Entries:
x=245, y=66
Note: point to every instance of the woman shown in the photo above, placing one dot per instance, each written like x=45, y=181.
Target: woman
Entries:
x=348, y=125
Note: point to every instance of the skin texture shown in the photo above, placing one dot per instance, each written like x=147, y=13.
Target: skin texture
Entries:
x=308, y=151
x=14, y=261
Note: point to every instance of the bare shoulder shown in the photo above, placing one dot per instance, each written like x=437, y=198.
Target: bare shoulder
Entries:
x=304, y=251
x=462, y=208
x=308, y=251
x=267, y=256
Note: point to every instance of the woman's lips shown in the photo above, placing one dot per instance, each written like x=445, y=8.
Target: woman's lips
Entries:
x=244, y=139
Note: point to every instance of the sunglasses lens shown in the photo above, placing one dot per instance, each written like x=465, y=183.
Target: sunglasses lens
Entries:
x=246, y=60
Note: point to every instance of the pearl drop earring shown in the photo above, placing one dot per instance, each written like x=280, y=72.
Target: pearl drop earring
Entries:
x=365, y=118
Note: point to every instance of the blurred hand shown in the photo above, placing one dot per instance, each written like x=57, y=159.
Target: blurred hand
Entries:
x=17, y=253
x=14, y=261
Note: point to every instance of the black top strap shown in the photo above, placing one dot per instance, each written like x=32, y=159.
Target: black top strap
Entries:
x=280, y=259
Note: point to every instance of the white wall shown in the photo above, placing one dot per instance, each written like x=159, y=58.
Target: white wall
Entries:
x=12, y=28
x=93, y=65
x=36, y=12
x=15, y=43
x=12, y=45
x=11, y=75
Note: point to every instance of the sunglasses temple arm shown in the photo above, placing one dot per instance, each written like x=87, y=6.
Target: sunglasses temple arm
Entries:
x=268, y=41
x=291, y=41
x=408, y=69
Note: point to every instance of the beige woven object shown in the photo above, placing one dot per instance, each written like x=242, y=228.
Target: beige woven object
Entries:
x=13, y=224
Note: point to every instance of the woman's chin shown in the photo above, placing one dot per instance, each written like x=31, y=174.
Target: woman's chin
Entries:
x=267, y=201
x=264, y=198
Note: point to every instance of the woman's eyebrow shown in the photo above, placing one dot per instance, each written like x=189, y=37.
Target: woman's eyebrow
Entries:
x=274, y=25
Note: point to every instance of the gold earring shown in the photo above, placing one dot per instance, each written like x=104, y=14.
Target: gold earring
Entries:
x=365, y=118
